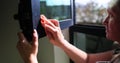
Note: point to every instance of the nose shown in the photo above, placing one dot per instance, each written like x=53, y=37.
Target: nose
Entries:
x=105, y=21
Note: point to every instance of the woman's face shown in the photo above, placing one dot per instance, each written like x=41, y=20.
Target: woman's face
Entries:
x=112, y=24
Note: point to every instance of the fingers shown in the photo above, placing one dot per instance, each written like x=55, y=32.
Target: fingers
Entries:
x=44, y=21
x=51, y=26
x=21, y=40
x=50, y=31
x=35, y=38
x=50, y=21
x=55, y=22
x=43, y=18
x=21, y=37
x=49, y=34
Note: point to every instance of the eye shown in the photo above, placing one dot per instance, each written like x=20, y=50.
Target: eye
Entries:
x=111, y=16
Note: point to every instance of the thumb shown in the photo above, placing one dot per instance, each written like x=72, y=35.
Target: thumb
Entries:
x=35, y=38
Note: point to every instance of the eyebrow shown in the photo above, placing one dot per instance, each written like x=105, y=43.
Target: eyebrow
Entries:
x=111, y=12
x=116, y=10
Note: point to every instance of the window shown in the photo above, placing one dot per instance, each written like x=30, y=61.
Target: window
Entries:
x=88, y=33
x=29, y=14
x=91, y=11
x=90, y=39
x=61, y=10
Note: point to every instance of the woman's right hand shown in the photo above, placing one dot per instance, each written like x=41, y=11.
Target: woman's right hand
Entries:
x=53, y=31
x=27, y=50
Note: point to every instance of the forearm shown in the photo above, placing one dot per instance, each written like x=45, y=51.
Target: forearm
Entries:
x=77, y=55
x=31, y=59
x=103, y=56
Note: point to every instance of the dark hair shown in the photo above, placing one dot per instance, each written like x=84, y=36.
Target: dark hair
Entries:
x=115, y=6
x=114, y=3
x=117, y=3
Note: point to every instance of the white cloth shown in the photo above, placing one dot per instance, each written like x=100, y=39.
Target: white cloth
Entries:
x=116, y=58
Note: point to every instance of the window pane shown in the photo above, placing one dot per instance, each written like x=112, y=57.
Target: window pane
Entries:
x=91, y=43
x=91, y=11
x=56, y=9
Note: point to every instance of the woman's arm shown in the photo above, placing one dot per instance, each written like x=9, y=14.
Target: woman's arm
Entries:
x=56, y=37
x=79, y=56
x=103, y=56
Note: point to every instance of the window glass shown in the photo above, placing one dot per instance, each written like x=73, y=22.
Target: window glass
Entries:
x=56, y=9
x=91, y=43
x=91, y=11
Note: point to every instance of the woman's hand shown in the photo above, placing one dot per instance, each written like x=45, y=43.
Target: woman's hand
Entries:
x=27, y=50
x=53, y=31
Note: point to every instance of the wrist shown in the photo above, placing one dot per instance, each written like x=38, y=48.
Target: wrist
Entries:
x=34, y=60
x=31, y=59
x=65, y=44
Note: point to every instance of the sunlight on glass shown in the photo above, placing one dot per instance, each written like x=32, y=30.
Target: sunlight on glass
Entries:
x=57, y=2
x=103, y=3
x=82, y=2
x=99, y=2
x=91, y=11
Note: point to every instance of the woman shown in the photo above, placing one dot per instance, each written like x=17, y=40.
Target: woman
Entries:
x=53, y=31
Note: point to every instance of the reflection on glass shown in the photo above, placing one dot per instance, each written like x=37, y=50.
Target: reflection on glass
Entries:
x=91, y=11
x=56, y=9
x=91, y=43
